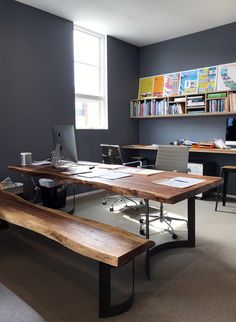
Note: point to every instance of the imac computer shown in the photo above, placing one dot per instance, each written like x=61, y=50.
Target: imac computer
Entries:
x=64, y=145
x=230, y=138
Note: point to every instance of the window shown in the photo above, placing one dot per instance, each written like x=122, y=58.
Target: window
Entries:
x=90, y=80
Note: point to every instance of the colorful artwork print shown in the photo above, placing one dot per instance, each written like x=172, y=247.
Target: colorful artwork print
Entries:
x=226, y=79
x=188, y=82
x=145, y=87
x=207, y=79
x=158, y=86
x=171, y=84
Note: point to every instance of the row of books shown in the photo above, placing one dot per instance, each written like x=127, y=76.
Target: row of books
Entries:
x=216, y=105
x=154, y=107
x=216, y=102
x=148, y=108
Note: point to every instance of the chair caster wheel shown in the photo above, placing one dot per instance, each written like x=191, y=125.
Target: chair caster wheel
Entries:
x=111, y=208
x=141, y=221
x=104, y=202
x=174, y=236
x=142, y=232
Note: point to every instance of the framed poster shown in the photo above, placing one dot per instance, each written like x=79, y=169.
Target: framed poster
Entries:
x=145, y=87
x=171, y=84
x=207, y=79
x=226, y=79
x=158, y=86
x=188, y=82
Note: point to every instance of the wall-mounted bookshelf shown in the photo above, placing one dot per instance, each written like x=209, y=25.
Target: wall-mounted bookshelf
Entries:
x=204, y=104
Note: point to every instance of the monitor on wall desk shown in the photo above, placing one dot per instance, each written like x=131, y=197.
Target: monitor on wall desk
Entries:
x=230, y=138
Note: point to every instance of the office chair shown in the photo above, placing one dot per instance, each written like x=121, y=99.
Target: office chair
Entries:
x=111, y=154
x=169, y=158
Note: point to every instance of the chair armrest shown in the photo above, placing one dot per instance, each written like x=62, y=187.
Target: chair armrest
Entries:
x=139, y=163
x=149, y=166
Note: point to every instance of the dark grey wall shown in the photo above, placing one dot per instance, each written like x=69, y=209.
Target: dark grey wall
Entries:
x=36, y=70
x=1, y=51
x=163, y=131
x=211, y=47
x=37, y=81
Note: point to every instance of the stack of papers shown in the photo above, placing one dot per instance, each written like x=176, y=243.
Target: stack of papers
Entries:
x=179, y=182
x=110, y=166
x=130, y=170
x=93, y=174
x=77, y=170
x=149, y=172
x=112, y=175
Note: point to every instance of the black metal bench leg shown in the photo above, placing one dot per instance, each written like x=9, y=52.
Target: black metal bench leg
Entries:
x=105, y=307
x=147, y=265
x=3, y=224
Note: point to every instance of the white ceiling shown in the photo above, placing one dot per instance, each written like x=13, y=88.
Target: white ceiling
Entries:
x=142, y=22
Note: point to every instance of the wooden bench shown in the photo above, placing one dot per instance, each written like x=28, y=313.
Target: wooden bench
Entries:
x=110, y=246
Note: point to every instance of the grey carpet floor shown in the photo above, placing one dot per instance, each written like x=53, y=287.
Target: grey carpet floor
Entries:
x=42, y=281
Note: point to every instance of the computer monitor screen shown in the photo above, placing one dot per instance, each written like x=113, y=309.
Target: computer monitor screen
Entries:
x=230, y=138
x=64, y=143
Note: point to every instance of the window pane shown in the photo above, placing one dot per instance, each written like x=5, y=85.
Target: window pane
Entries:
x=88, y=114
x=86, y=48
x=87, y=79
x=90, y=79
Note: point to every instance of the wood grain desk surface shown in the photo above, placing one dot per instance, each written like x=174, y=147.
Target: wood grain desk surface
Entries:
x=136, y=185
x=154, y=147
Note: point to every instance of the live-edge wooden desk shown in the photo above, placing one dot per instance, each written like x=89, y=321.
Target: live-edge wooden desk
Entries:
x=141, y=186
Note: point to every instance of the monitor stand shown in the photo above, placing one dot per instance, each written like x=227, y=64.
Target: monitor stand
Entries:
x=56, y=156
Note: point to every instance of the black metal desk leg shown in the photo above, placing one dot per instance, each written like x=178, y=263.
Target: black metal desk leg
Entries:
x=146, y=201
x=226, y=177
x=147, y=257
x=71, y=211
x=191, y=222
x=106, y=309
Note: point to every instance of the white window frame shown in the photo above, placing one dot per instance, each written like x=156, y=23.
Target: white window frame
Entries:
x=103, y=122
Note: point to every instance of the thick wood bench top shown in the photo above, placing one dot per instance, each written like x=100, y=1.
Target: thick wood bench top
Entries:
x=89, y=238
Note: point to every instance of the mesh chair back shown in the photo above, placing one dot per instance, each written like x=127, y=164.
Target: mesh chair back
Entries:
x=172, y=158
x=111, y=154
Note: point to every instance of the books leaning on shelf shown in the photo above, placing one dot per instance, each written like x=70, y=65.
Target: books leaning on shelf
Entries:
x=154, y=107
x=232, y=102
x=216, y=105
x=175, y=109
x=190, y=104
